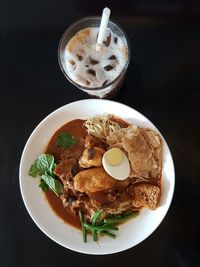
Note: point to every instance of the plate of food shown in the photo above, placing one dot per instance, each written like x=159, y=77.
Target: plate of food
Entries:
x=97, y=177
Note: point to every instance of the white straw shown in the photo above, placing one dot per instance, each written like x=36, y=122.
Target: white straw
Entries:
x=103, y=27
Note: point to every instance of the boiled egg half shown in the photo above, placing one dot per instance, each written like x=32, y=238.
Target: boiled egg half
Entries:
x=116, y=164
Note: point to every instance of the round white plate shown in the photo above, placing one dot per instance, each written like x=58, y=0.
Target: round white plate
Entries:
x=130, y=233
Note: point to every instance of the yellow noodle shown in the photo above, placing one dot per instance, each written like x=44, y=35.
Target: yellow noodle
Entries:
x=102, y=126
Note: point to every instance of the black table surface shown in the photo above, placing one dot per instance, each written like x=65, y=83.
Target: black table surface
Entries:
x=162, y=82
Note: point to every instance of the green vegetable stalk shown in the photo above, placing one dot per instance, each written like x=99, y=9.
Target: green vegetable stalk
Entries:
x=84, y=231
x=103, y=227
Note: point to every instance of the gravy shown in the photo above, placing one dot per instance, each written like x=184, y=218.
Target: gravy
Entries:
x=76, y=129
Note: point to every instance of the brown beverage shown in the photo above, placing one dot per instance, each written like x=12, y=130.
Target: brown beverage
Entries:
x=98, y=72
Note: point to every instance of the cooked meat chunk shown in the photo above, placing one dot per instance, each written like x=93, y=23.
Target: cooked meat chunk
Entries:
x=66, y=169
x=92, y=157
x=123, y=183
x=146, y=195
x=113, y=197
x=93, y=180
x=91, y=141
x=144, y=149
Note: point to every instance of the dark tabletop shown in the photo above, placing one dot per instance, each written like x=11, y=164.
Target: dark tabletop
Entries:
x=162, y=82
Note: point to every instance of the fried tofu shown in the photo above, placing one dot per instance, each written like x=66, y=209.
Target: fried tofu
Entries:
x=146, y=195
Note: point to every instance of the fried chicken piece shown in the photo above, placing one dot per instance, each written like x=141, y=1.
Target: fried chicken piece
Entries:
x=93, y=180
x=92, y=157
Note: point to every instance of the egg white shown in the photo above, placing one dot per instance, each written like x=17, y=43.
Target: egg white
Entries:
x=119, y=172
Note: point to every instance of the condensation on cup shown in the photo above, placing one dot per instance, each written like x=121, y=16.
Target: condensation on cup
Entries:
x=100, y=73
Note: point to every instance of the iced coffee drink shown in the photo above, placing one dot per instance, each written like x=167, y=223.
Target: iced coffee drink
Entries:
x=99, y=72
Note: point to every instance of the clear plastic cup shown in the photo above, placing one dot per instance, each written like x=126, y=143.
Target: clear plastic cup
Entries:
x=109, y=90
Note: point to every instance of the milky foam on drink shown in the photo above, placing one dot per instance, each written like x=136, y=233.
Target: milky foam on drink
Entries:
x=89, y=67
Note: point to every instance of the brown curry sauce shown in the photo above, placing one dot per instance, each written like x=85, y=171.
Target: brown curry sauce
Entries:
x=76, y=129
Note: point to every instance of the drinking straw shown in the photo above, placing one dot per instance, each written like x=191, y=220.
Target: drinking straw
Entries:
x=102, y=27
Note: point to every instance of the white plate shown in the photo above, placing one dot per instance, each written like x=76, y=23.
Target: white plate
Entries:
x=130, y=233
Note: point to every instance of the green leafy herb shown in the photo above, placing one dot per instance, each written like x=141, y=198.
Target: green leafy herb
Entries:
x=65, y=140
x=44, y=166
x=43, y=186
x=33, y=170
x=53, y=184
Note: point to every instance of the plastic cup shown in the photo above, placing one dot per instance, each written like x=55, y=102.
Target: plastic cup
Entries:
x=109, y=90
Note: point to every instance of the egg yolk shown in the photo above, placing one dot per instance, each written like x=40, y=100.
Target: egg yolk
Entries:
x=114, y=156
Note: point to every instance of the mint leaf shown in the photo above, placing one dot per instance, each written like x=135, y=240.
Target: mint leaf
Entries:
x=33, y=170
x=43, y=186
x=45, y=164
x=65, y=140
x=53, y=184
